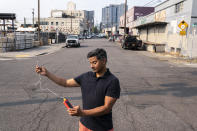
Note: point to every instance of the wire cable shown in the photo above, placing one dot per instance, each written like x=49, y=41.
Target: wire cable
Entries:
x=40, y=84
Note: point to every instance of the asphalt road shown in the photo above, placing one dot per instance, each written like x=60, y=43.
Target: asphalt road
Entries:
x=155, y=95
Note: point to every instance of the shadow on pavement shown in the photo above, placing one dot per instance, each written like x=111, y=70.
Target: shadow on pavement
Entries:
x=176, y=89
x=36, y=101
x=193, y=73
x=82, y=46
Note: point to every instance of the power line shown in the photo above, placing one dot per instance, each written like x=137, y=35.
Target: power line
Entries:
x=149, y=2
x=155, y=2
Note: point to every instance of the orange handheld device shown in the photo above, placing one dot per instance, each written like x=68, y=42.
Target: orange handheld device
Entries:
x=67, y=104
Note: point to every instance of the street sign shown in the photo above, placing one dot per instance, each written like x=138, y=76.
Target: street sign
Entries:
x=182, y=32
x=183, y=25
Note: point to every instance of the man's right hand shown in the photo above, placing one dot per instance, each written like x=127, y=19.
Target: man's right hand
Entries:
x=41, y=70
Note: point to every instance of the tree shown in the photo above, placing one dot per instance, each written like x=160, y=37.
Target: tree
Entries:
x=95, y=30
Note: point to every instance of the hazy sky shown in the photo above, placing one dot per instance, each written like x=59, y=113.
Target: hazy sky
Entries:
x=23, y=8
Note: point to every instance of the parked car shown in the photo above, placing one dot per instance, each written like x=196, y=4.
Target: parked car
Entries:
x=131, y=42
x=81, y=37
x=72, y=41
x=89, y=36
x=102, y=35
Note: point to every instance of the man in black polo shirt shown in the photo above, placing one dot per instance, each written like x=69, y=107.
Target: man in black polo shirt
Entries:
x=100, y=90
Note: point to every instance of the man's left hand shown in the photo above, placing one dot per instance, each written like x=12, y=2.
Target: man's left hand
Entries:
x=75, y=111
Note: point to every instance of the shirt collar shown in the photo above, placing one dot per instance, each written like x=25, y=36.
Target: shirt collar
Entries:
x=104, y=76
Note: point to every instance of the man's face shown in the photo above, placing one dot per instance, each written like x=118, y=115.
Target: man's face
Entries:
x=97, y=65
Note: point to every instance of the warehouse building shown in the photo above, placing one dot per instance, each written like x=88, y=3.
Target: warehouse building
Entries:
x=173, y=25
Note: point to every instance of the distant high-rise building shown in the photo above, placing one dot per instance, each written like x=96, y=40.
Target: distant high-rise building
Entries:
x=89, y=15
x=111, y=15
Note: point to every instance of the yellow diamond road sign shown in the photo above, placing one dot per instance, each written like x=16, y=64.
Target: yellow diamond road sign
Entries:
x=182, y=32
x=183, y=25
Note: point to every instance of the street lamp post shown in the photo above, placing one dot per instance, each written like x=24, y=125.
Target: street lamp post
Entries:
x=111, y=26
x=33, y=18
x=71, y=25
x=125, y=15
x=39, y=21
x=88, y=25
x=107, y=21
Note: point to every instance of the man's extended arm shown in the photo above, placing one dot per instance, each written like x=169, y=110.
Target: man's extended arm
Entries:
x=60, y=81
x=98, y=111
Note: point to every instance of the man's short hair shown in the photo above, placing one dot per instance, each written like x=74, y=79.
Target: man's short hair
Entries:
x=99, y=53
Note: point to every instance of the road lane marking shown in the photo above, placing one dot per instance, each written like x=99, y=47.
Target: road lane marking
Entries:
x=22, y=56
x=5, y=59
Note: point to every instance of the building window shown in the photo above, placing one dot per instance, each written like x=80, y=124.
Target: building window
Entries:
x=62, y=23
x=178, y=7
x=80, y=14
x=56, y=23
x=44, y=23
x=51, y=23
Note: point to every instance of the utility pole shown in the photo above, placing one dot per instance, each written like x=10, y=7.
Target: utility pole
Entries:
x=13, y=16
x=4, y=27
x=112, y=25
x=112, y=21
x=71, y=28
x=116, y=21
x=125, y=15
x=107, y=21
x=33, y=17
x=39, y=21
x=24, y=22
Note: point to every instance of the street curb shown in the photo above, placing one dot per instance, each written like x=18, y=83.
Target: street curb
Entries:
x=32, y=53
x=168, y=57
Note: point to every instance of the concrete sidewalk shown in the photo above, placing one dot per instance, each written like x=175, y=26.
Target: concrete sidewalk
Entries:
x=33, y=51
x=173, y=59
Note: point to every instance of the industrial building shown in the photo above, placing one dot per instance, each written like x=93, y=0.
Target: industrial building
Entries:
x=173, y=25
x=132, y=15
x=70, y=21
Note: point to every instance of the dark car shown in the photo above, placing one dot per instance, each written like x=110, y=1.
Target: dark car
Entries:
x=81, y=37
x=131, y=42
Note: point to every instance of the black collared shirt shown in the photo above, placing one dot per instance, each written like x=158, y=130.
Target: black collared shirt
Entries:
x=94, y=91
